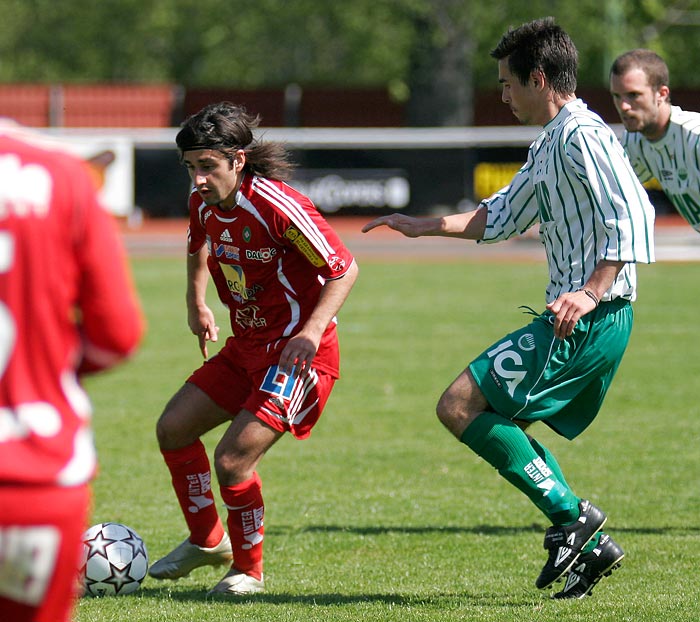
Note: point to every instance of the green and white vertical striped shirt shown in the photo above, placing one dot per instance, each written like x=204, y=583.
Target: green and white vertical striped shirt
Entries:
x=673, y=160
x=579, y=186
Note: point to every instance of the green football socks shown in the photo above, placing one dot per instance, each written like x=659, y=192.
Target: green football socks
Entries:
x=551, y=461
x=528, y=466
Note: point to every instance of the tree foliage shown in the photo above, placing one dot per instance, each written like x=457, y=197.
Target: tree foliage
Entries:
x=420, y=50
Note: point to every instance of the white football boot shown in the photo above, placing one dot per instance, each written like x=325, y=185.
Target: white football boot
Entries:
x=237, y=583
x=187, y=556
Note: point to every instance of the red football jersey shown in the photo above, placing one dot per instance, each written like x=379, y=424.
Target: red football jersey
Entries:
x=67, y=305
x=269, y=258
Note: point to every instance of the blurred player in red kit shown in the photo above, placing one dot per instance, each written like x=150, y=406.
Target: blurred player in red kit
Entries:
x=283, y=273
x=67, y=308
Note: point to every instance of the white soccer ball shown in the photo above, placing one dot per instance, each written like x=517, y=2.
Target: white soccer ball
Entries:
x=115, y=560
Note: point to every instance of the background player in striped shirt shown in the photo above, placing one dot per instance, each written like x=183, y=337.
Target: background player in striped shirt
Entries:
x=595, y=223
x=283, y=274
x=662, y=141
x=67, y=308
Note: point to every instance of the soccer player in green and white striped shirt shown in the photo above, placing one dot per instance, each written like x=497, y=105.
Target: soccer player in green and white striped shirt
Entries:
x=662, y=141
x=595, y=223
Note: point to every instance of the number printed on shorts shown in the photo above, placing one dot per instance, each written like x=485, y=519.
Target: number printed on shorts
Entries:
x=277, y=383
x=27, y=559
x=503, y=359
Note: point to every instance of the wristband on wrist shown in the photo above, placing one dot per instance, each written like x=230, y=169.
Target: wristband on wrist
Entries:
x=590, y=294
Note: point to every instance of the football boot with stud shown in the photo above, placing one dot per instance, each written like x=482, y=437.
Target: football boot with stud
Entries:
x=591, y=567
x=187, y=556
x=237, y=583
x=564, y=543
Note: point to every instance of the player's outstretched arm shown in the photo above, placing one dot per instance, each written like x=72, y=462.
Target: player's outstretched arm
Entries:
x=408, y=225
x=467, y=225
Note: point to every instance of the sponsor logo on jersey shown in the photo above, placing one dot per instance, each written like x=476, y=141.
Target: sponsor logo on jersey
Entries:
x=225, y=236
x=263, y=254
x=236, y=281
x=305, y=248
x=227, y=251
x=247, y=317
x=666, y=174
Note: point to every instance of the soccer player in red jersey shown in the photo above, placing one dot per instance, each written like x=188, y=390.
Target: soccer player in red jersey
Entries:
x=67, y=307
x=283, y=273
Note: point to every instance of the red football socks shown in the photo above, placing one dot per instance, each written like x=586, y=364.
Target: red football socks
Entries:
x=245, y=524
x=191, y=477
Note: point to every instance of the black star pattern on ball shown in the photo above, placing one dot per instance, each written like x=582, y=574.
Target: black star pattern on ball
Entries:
x=137, y=545
x=119, y=578
x=98, y=545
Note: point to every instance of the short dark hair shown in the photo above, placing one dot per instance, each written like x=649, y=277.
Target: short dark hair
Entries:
x=544, y=46
x=649, y=62
x=227, y=127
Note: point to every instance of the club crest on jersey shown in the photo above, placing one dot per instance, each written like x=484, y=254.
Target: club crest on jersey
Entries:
x=336, y=263
x=227, y=251
x=305, y=247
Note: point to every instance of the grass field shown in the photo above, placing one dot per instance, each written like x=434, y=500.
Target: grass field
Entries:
x=381, y=515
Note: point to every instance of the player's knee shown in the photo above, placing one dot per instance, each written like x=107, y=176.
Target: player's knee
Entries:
x=231, y=467
x=172, y=431
x=164, y=431
x=457, y=408
x=178, y=424
x=447, y=409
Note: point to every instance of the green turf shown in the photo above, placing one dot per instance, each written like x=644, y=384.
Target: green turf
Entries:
x=381, y=515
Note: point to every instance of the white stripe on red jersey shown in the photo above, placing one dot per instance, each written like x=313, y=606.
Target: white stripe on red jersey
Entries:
x=269, y=257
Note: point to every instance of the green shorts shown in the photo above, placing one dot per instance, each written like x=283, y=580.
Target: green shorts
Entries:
x=530, y=375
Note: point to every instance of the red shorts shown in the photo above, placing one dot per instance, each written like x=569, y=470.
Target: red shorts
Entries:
x=41, y=532
x=285, y=404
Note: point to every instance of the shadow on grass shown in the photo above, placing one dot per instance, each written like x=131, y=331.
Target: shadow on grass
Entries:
x=407, y=529
x=488, y=530
x=438, y=599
